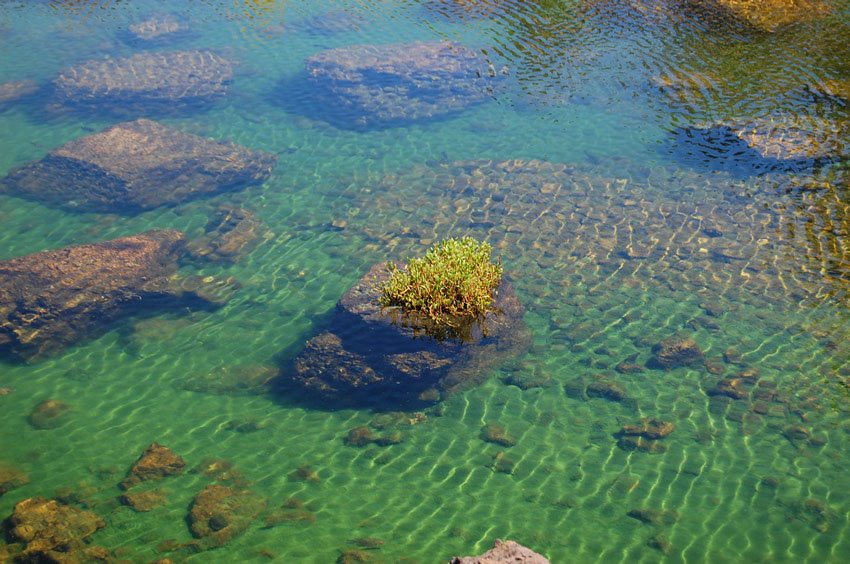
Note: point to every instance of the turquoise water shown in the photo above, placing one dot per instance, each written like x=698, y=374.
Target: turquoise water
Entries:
x=609, y=260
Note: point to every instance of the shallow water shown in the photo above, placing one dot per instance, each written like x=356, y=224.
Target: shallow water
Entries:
x=638, y=238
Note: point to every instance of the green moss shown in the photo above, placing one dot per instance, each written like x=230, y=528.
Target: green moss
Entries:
x=454, y=282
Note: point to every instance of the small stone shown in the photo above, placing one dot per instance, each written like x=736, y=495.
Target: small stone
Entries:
x=650, y=428
x=494, y=433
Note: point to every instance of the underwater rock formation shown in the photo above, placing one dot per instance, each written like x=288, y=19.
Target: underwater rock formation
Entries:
x=650, y=428
x=230, y=234
x=51, y=531
x=15, y=90
x=52, y=299
x=785, y=140
x=371, y=354
x=142, y=502
x=135, y=166
x=220, y=513
x=147, y=80
x=49, y=414
x=764, y=15
x=676, y=352
x=503, y=552
x=11, y=478
x=155, y=463
x=382, y=84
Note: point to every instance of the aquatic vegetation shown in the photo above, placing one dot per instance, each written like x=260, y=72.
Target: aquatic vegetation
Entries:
x=455, y=281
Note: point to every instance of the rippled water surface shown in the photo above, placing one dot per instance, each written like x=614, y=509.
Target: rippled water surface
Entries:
x=602, y=150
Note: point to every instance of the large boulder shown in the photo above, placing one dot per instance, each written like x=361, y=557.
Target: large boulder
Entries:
x=147, y=80
x=370, y=354
x=504, y=552
x=51, y=299
x=51, y=531
x=135, y=166
x=369, y=85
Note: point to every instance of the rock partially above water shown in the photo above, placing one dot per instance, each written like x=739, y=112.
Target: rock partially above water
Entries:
x=162, y=79
x=52, y=299
x=382, y=84
x=676, y=352
x=503, y=552
x=372, y=354
x=51, y=531
x=156, y=462
x=135, y=166
x=765, y=15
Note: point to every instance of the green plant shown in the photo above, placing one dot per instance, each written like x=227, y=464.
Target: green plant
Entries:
x=454, y=282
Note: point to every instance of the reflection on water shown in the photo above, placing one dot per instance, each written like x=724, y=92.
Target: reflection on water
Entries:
x=666, y=183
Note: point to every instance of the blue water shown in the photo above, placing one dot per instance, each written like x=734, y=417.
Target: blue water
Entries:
x=616, y=233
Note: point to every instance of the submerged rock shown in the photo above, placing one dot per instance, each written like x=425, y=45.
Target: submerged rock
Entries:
x=11, y=478
x=230, y=234
x=503, y=552
x=383, y=84
x=765, y=15
x=650, y=428
x=146, y=80
x=156, y=462
x=135, y=166
x=372, y=354
x=142, y=502
x=51, y=531
x=220, y=513
x=14, y=90
x=248, y=379
x=676, y=352
x=52, y=299
x=49, y=414
x=157, y=28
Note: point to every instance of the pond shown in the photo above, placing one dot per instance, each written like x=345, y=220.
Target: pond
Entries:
x=190, y=190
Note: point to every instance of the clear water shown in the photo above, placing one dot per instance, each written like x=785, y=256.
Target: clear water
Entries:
x=579, y=91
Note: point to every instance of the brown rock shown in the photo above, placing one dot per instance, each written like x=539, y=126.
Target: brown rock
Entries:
x=496, y=434
x=49, y=414
x=52, y=299
x=503, y=552
x=52, y=532
x=676, y=352
x=146, y=80
x=15, y=90
x=144, y=501
x=231, y=234
x=641, y=444
x=650, y=428
x=138, y=165
x=765, y=15
x=605, y=389
x=654, y=516
x=730, y=387
x=219, y=514
x=11, y=478
x=156, y=462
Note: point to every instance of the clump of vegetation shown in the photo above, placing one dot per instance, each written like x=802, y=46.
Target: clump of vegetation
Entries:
x=454, y=282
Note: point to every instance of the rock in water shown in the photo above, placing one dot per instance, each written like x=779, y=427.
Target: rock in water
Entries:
x=676, y=352
x=51, y=531
x=157, y=28
x=504, y=552
x=231, y=234
x=15, y=90
x=765, y=15
x=147, y=80
x=156, y=462
x=11, y=478
x=372, y=354
x=49, y=414
x=384, y=84
x=52, y=299
x=135, y=166
x=220, y=513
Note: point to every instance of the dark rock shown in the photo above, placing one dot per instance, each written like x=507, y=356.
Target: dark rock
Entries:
x=649, y=428
x=230, y=234
x=714, y=367
x=605, y=389
x=372, y=354
x=796, y=434
x=144, y=501
x=363, y=435
x=631, y=443
x=51, y=531
x=812, y=511
x=156, y=462
x=676, y=352
x=654, y=516
x=161, y=80
x=576, y=388
x=15, y=90
x=219, y=514
x=731, y=356
x=660, y=542
x=386, y=84
x=502, y=464
x=52, y=299
x=49, y=414
x=138, y=165
x=626, y=367
x=305, y=473
x=503, y=552
x=496, y=434
x=730, y=387
x=11, y=478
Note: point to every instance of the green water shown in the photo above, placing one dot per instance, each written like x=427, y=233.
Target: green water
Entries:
x=578, y=92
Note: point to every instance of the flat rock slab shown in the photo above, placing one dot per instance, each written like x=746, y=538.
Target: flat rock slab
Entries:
x=135, y=166
x=140, y=80
x=504, y=552
x=52, y=299
x=382, y=84
x=371, y=354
